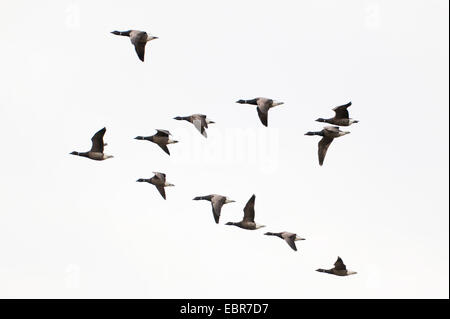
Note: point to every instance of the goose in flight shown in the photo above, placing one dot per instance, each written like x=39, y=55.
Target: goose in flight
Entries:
x=262, y=106
x=290, y=238
x=217, y=201
x=139, y=39
x=96, y=152
x=159, y=180
x=161, y=138
x=200, y=122
x=341, y=117
x=248, y=222
x=339, y=269
x=329, y=133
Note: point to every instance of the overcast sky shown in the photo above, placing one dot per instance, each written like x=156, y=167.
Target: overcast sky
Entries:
x=72, y=227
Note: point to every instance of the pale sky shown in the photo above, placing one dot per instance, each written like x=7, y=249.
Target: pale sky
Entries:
x=75, y=228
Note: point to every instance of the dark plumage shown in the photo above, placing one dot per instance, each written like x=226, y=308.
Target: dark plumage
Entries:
x=217, y=201
x=329, y=133
x=161, y=138
x=159, y=180
x=139, y=39
x=262, y=107
x=290, y=238
x=248, y=222
x=341, y=117
x=96, y=152
x=339, y=269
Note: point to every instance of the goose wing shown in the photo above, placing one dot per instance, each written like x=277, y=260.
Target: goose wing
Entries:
x=339, y=264
x=164, y=148
x=164, y=133
x=161, y=176
x=341, y=111
x=249, y=210
x=200, y=124
x=290, y=239
x=161, y=190
x=97, y=141
x=139, y=40
x=323, y=148
x=263, y=116
x=217, y=202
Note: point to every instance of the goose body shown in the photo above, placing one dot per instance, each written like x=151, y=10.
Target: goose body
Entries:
x=339, y=269
x=217, y=201
x=263, y=105
x=161, y=138
x=159, y=180
x=329, y=133
x=248, y=222
x=200, y=121
x=290, y=238
x=341, y=117
x=139, y=39
x=96, y=152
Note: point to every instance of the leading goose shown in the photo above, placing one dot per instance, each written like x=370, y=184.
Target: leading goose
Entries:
x=96, y=152
x=290, y=238
x=329, y=133
x=262, y=106
x=139, y=39
x=339, y=269
x=248, y=222
x=200, y=122
x=159, y=180
x=217, y=201
x=161, y=138
x=341, y=117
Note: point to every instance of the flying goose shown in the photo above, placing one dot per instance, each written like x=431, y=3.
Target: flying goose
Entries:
x=328, y=134
x=217, y=201
x=96, y=152
x=159, y=180
x=200, y=122
x=263, y=105
x=290, y=238
x=341, y=117
x=161, y=138
x=339, y=269
x=139, y=39
x=248, y=222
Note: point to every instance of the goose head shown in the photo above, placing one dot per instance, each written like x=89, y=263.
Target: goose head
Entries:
x=74, y=153
x=240, y=101
x=321, y=120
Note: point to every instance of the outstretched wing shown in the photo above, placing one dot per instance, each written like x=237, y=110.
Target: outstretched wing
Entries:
x=140, y=50
x=161, y=190
x=217, y=204
x=249, y=210
x=263, y=116
x=341, y=111
x=97, y=141
x=139, y=40
x=164, y=133
x=339, y=264
x=200, y=124
x=161, y=176
x=291, y=241
x=323, y=148
x=164, y=148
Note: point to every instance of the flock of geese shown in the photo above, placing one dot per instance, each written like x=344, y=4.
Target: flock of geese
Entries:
x=162, y=138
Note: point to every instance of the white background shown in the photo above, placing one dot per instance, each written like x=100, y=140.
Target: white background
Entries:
x=72, y=227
